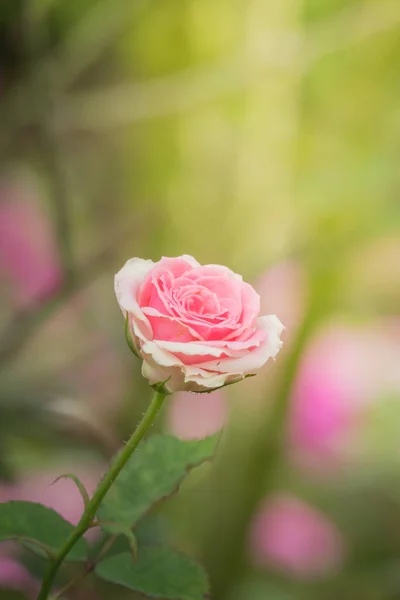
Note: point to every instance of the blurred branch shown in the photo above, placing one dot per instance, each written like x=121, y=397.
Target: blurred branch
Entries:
x=43, y=95
x=37, y=411
x=91, y=36
x=24, y=324
x=165, y=96
x=73, y=419
x=57, y=173
x=186, y=90
x=80, y=48
x=190, y=88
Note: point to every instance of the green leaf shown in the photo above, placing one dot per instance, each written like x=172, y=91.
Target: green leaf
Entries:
x=150, y=531
x=41, y=529
x=153, y=473
x=158, y=572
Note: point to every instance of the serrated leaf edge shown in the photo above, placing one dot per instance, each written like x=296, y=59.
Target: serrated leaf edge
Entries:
x=206, y=596
x=188, y=468
x=14, y=537
x=25, y=541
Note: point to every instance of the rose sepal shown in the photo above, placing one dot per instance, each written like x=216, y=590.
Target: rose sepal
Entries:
x=129, y=339
x=161, y=388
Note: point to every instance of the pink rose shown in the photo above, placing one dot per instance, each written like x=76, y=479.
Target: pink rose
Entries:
x=196, y=327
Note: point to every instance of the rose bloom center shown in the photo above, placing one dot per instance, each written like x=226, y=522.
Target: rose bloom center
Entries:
x=197, y=300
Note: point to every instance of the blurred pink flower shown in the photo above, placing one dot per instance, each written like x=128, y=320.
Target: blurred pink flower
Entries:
x=28, y=252
x=15, y=576
x=344, y=370
x=294, y=537
x=193, y=416
x=283, y=291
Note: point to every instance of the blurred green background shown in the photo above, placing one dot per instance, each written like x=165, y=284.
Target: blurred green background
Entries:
x=260, y=134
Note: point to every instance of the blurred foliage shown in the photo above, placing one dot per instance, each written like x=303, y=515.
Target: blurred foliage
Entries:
x=247, y=133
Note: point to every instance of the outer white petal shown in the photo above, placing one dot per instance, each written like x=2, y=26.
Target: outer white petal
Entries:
x=128, y=279
x=192, y=348
x=160, y=356
x=227, y=270
x=126, y=283
x=217, y=349
x=257, y=358
x=187, y=258
x=208, y=380
x=190, y=260
x=163, y=353
x=183, y=378
x=173, y=376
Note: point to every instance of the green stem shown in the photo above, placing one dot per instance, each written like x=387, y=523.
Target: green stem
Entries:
x=102, y=489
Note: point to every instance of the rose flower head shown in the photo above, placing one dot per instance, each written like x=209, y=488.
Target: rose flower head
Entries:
x=196, y=328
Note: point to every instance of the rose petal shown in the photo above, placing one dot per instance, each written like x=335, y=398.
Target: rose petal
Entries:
x=175, y=267
x=160, y=356
x=210, y=380
x=251, y=309
x=192, y=349
x=155, y=290
x=198, y=353
x=217, y=270
x=185, y=377
x=169, y=328
x=127, y=284
x=173, y=376
x=257, y=358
